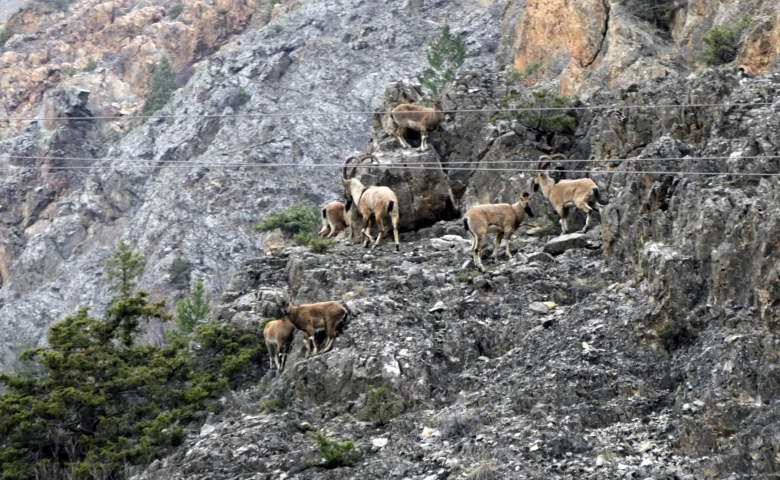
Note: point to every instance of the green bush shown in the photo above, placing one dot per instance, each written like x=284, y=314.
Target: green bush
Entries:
x=381, y=406
x=179, y=273
x=535, y=115
x=722, y=42
x=302, y=238
x=272, y=406
x=321, y=246
x=91, y=66
x=333, y=454
x=303, y=217
x=445, y=55
x=175, y=10
x=240, y=99
x=230, y=351
x=5, y=34
x=466, y=275
x=162, y=87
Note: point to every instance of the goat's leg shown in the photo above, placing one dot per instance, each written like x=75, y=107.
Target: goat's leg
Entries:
x=394, y=220
x=400, y=135
x=506, y=238
x=323, y=232
x=564, y=213
x=499, y=236
x=306, y=338
x=586, y=209
x=367, y=232
x=380, y=223
x=424, y=142
x=476, y=253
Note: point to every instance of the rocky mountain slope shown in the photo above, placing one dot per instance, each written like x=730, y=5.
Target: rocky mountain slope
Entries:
x=659, y=357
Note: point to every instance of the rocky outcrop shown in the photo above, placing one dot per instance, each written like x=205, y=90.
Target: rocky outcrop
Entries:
x=585, y=44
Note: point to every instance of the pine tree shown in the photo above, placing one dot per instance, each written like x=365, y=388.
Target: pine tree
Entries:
x=163, y=86
x=192, y=308
x=445, y=57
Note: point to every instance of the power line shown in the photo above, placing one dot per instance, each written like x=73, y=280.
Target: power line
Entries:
x=402, y=167
x=393, y=165
x=359, y=112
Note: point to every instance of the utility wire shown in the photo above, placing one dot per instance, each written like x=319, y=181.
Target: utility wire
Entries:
x=359, y=112
x=402, y=167
x=390, y=165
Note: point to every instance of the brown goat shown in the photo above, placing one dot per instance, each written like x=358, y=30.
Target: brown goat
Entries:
x=407, y=115
x=278, y=336
x=334, y=220
x=582, y=193
x=308, y=318
x=502, y=219
x=373, y=203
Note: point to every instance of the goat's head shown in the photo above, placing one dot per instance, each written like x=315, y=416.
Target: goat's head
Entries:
x=348, y=174
x=437, y=103
x=540, y=174
x=284, y=303
x=525, y=200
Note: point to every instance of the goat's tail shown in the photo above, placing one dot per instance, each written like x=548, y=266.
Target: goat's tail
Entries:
x=390, y=206
x=595, y=192
x=324, y=213
x=466, y=224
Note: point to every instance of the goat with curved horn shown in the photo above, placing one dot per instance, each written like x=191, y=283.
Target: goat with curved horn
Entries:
x=375, y=203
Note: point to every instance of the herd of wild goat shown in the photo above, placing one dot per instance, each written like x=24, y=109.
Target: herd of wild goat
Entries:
x=377, y=204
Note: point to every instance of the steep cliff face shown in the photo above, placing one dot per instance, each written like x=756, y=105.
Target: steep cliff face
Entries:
x=586, y=45
x=194, y=185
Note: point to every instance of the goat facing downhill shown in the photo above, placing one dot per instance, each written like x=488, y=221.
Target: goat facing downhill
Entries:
x=424, y=119
x=307, y=318
x=278, y=336
x=501, y=218
x=375, y=204
x=334, y=220
x=582, y=193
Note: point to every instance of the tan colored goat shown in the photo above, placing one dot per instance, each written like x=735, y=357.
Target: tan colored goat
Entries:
x=308, y=318
x=502, y=219
x=334, y=220
x=424, y=119
x=582, y=193
x=278, y=336
x=375, y=203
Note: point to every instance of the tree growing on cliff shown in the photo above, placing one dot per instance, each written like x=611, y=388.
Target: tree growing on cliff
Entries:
x=446, y=55
x=192, y=309
x=162, y=87
x=94, y=400
x=722, y=42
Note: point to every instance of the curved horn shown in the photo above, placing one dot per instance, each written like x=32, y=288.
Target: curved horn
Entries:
x=556, y=156
x=344, y=174
x=543, y=164
x=366, y=156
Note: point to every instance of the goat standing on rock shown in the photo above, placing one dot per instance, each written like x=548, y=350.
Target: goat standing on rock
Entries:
x=582, y=193
x=334, y=220
x=501, y=219
x=308, y=318
x=373, y=203
x=278, y=336
x=407, y=115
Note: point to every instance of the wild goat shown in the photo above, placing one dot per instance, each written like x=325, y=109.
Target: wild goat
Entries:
x=278, y=336
x=373, y=203
x=308, y=318
x=407, y=115
x=333, y=220
x=582, y=193
x=501, y=219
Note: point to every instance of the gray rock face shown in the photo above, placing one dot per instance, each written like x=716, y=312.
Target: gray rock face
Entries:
x=193, y=185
